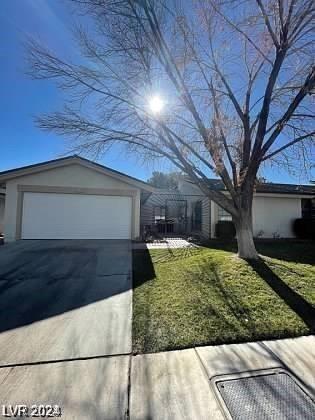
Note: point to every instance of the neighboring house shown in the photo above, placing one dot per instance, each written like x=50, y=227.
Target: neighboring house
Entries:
x=74, y=198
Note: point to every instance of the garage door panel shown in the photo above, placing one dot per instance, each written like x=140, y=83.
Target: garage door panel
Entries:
x=75, y=216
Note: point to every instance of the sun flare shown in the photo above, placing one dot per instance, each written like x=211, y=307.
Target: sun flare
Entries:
x=156, y=104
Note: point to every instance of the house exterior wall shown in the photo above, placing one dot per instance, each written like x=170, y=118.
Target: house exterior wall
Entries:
x=73, y=176
x=146, y=213
x=2, y=201
x=274, y=216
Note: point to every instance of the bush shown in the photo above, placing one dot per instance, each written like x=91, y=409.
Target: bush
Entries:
x=225, y=229
x=304, y=228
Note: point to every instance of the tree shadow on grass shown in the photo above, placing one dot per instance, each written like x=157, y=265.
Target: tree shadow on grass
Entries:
x=296, y=302
x=227, y=245
x=170, y=254
x=290, y=250
x=143, y=262
x=211, y=298
x=161, y=255
x=283, y=249
x=235, y=316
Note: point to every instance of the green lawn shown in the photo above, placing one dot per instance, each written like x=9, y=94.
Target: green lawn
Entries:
x=190, y=297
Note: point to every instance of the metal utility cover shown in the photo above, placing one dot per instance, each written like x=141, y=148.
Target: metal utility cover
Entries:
x=276, y=395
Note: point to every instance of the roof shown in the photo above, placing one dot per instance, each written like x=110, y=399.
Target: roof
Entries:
x=68, y=160
x=269, y=188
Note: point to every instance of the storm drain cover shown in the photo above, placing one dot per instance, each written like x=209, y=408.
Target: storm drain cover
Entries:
x=275, y=396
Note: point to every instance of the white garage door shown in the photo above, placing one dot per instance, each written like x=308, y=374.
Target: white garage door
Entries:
x=75, y=216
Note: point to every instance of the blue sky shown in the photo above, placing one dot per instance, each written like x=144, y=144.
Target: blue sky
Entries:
x=22, y=143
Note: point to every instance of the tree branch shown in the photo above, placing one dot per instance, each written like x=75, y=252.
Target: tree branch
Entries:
x=291, y=143
x=268, y=24
x=306, y=89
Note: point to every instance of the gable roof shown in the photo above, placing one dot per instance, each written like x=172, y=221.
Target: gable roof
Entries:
x=70, y=160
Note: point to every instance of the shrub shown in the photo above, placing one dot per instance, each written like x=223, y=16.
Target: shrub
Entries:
x=225, y=229
x=304, y=228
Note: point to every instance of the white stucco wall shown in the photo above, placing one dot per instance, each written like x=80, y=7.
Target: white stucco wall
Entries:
x=2, y=201
x=67, y=176
x=273, y=216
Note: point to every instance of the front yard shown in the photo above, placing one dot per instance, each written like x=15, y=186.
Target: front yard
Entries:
x=193, y=297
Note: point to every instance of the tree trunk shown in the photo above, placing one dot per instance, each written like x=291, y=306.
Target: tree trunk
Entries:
x=244, y=235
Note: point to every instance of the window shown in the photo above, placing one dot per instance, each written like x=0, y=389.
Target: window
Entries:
x=176, y=210
x=223, y=215
x=159, y=213
x=197, y=216
x=308, y=208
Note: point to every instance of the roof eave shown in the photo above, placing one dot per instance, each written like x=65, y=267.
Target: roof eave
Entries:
x=70, y=160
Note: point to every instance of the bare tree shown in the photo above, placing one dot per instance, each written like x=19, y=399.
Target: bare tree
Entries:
x=236, y=79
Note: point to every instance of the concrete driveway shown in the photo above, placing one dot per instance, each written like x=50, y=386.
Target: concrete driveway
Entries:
x=64, y=299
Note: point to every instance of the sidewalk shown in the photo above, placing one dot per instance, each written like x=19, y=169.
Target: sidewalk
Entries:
x=170, y=385
x=176, y=385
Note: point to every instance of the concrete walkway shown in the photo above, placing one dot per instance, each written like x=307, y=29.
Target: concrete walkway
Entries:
x=170, y=385
x=165, y=243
